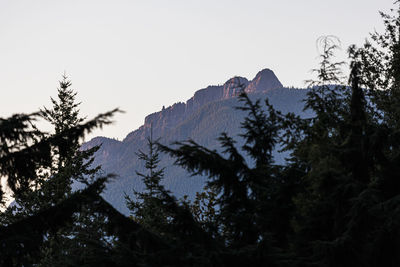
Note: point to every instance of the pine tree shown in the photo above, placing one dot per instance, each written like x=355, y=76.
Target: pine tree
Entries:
x=147, y=207
x=159, y=212
x=379, y=71
x=64, y=115
x=73, y=164
x=344, y=153
x=252, y=217
x=25, y=160
x=86, y=233
x=41, y=168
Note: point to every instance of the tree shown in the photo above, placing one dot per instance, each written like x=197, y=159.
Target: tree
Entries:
x=73, y=166
x=341, y=183
x=147, y=207
x=162, y=214
x=50, y=163
x=331, y=152
x=25, y=158
x=346, y=214
x=64, y=115
x=251, y=214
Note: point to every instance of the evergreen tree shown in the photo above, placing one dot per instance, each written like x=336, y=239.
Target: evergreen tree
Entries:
x=147, y=207
x=64, y=115
x=251, y=219
x=344, y=155
x=72, y=164
x=162, y=214
x=86, y=233
x=25, y=158
x=58, y=163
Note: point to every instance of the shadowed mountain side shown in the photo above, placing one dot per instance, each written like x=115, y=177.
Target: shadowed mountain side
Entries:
x=180, y=122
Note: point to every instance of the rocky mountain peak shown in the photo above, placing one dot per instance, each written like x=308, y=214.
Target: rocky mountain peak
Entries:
x=233, y=86
x=264, y=81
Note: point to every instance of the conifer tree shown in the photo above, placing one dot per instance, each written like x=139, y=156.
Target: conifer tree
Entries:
x=86, y=233
x=72, y=164
x=25, y=159
x=343, y=154
x=56, y=162
x=147, y=207
x=162, y=214
x=251, y=215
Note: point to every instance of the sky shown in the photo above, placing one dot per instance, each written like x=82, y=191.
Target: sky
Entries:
x=140, y=55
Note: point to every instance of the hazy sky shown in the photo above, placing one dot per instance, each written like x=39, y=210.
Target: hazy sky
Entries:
x=141, y=55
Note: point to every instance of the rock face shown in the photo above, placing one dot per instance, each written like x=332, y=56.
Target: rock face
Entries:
x=264, y=81
x=234, y=86
x=202, y=118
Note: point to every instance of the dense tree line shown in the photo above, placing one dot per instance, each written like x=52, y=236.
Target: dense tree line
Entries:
x=336, y=201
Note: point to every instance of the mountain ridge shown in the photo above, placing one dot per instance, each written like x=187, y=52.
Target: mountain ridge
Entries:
x=203, y=117
x=265, y=80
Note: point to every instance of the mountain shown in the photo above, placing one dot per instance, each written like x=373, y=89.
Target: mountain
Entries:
x=202, y=118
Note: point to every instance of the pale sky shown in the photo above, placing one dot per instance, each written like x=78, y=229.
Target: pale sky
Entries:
x=141, y=55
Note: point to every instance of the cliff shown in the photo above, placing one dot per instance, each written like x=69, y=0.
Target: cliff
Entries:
x=169, y=117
